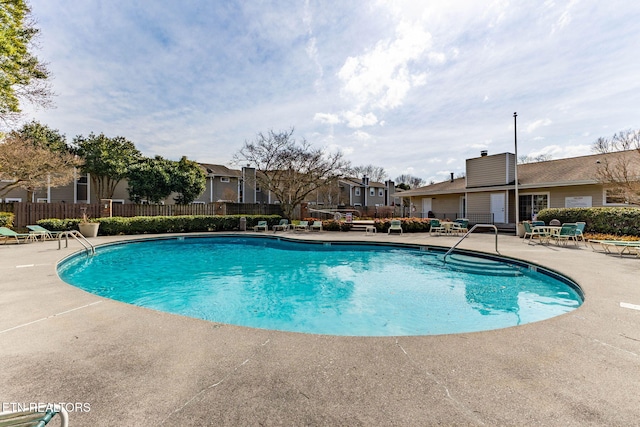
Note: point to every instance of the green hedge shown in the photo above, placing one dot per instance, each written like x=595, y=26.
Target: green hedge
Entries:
x=409, y=225
x=615, y=221
x=162, y=224
x=6, y=219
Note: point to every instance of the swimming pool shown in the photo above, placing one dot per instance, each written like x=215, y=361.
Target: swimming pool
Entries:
x=334, y=288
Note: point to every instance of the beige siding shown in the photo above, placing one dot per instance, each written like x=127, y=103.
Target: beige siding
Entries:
x=558, y=195
x=490, y=170
x=479, y=203
x=447, y=205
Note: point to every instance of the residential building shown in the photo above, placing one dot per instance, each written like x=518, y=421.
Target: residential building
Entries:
x=487, y=192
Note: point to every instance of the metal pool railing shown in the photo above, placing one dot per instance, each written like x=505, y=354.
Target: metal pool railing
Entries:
x=91, y=250
x=469, y=232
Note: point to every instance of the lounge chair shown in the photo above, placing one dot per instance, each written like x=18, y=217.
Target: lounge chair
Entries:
x=301, y=226
x=262, y=225
x=8, y=233
x=317, y=226
x=36, y=416
x=283, y=225
x=567, y=232
x=436, y=227
x=617, y=246
x=43, y=232
x=395, y=226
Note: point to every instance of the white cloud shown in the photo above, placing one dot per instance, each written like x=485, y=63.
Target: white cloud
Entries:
x=537, y=124
x=355, y=120
x=382, y=76
x=327, y=118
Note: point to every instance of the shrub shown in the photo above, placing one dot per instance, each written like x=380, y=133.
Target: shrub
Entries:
x=409, y=225
x=162, y=224
x=6, y=219
x=613, y=221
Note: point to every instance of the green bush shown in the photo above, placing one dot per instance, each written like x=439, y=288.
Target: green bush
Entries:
x=409, y=225
x=614, y=221
x=162, y=224
x=6, y=219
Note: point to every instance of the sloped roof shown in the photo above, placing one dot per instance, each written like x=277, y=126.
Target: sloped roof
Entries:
x=572, y=171
x=445, y=187
x=551, y=173
x=220, y=170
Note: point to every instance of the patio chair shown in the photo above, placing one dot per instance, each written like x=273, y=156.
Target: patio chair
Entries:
x=317, y=226
x=37, y=416
x=283, y=225
x=540, y=232
x=43, y=232
x=580, y=232
x=460, y=226
x=436, y=227
x=262, y=225
x=8, y=233
x=301, y=226
x=538, y=223
x=395, y=227
x=567, y=232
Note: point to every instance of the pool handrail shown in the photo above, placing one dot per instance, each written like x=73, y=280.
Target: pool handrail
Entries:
x=469, y=232
x=91, y=250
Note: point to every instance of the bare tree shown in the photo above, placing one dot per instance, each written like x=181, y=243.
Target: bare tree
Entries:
x=291, y=170
x=621, y=141
x=29, y=166
x=534, y=159
x=620, y=174
x=375, y=173
x=410, y=180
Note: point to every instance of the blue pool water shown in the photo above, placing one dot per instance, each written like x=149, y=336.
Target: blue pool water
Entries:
x=322, y=288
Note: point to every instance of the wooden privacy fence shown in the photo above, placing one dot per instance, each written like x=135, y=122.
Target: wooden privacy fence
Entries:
x=29, y=213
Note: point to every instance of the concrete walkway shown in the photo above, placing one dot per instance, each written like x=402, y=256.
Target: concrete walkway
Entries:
x=124, y=365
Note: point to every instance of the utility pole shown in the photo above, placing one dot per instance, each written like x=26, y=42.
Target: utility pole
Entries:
x=515, y=139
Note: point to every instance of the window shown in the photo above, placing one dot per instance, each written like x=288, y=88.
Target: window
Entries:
x=615, y=196
x=357, y=191
x=13, y=200
x=117, y=201
x=42, y=200
x=372, y=191
x=224, y=179
x=381, y=192
x=197, y=202
x=531, y=204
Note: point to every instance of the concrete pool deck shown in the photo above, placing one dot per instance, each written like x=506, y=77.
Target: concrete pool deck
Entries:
x=125, y=365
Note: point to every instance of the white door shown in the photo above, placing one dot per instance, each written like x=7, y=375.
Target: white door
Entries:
x=497, y=207
x=426, y=207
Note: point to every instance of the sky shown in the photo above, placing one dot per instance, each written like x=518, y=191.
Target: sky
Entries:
x=415, y=87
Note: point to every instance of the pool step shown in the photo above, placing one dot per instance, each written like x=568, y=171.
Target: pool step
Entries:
x=480, y=266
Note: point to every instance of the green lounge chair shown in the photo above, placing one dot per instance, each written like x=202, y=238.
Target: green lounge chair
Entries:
x=283, y=225
x=262, y=225
x=395, y=227
x=8, y=233
x=42, y=232
x=301, y=226
x=317, y=226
